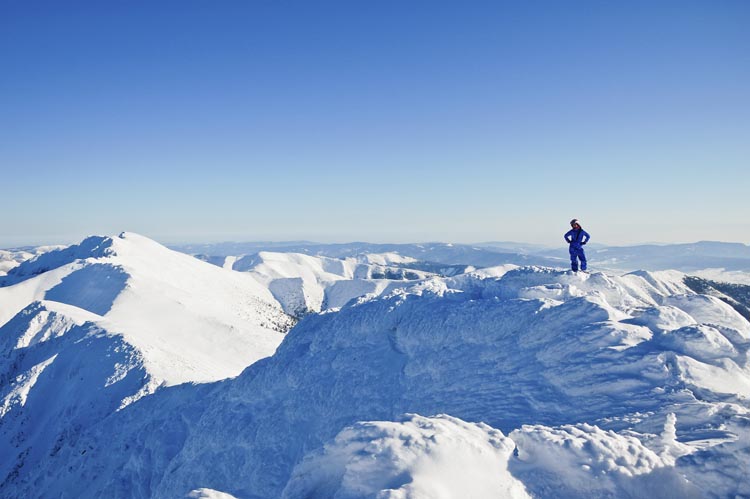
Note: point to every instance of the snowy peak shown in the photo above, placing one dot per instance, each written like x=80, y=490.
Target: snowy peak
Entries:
x=191, y=320
x=127, y=246
x=87, y=330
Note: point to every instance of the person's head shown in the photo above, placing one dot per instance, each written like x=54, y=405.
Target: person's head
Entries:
x=575, y=223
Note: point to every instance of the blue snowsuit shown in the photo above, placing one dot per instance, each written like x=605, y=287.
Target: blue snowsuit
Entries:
x=577, y=238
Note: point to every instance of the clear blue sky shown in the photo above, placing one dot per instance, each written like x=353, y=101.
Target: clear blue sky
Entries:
x=384, y=121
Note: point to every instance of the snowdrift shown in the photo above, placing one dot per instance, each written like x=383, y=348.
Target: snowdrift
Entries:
x=509, y=382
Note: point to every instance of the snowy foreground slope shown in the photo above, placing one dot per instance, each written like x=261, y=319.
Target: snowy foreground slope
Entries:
x=507, y=382
x=89, y=329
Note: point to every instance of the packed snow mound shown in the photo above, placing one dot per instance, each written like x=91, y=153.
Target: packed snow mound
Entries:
x=608, y=386
x=416, y=457
x=305, y=284
x=585, y=461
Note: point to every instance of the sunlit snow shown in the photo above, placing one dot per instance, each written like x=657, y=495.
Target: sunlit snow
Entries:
x=504, y=381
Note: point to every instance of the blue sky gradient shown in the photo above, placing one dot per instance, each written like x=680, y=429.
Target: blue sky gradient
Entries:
x=384, y=121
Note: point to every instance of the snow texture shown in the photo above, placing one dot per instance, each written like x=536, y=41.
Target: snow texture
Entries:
x=416, y=457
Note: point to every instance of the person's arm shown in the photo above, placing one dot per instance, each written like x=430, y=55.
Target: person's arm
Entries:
x=568, y=234
x=586, y=237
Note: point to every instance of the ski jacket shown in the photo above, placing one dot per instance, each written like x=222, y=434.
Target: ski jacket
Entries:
x=577, y=237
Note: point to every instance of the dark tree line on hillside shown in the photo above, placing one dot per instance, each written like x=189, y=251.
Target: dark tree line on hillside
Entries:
x=736, y=295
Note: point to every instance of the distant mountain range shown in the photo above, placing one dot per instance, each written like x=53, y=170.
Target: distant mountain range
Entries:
x=444, y=253
x=683, y=257
x=715, y=260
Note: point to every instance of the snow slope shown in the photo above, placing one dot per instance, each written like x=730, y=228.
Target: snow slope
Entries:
x=507, y=382
x=441, y=457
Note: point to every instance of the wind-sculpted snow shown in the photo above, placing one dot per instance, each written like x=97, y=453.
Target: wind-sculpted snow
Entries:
x=608, y=386
x=441, y=457
x=585, y=461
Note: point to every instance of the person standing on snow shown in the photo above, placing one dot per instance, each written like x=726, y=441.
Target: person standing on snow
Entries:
x=577, y=238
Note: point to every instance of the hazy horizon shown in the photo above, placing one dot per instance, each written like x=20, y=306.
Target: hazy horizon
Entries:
x=176, y=242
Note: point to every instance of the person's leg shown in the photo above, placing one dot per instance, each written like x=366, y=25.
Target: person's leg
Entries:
x=573, y=260
x=582, y=257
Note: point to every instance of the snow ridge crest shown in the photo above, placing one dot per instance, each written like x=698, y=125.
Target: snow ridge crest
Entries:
x=91, y=247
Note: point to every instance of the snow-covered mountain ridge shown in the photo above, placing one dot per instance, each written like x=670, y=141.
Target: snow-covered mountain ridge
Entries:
x=729, y=261
x=89, y=329
x=543, y=382
x=433, y=254
x=10, y=258
x=167, y=304
x=305, y=283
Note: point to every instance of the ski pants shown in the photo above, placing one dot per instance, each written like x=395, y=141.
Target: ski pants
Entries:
x=576, y=253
